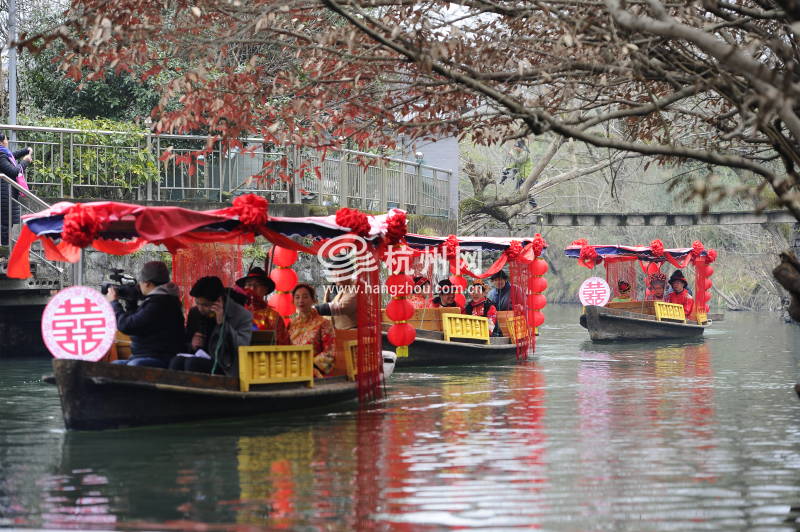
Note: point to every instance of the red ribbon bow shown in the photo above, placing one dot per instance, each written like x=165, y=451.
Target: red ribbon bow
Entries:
x=657, y=247
x=81, y=226
x=251, y=209
x=396, y=227
x=354, y=220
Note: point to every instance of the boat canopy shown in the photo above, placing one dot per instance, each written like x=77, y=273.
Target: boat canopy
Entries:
x=642, y=253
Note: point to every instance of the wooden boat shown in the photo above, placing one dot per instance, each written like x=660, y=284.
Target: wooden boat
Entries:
x=432, y=349
x=98, y=395
x=611, y=324
x=650, y=318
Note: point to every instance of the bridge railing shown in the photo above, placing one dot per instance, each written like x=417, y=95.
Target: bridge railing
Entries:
x=82, y=164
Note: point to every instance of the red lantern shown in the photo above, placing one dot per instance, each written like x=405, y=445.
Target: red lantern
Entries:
x=538, y=301
x=399, y=310
x=706, y=297
x=538, y=284
x=539, y=267
x=537, y=319
x=709, y=283
x=282, y=302
x=459, y=281
x=460, y=300
x=401, y=334
x=285, y=279
x=283, y=256
x=709, y=271
x=400, y=285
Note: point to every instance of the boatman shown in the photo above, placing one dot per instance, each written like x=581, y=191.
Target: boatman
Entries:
x=680, y=294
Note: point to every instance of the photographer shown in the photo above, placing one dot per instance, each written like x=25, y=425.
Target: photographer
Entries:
x=156, y=326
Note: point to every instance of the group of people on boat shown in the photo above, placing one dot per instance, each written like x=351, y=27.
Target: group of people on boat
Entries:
x=678, y=291
x=223, y=319
x=481, y=302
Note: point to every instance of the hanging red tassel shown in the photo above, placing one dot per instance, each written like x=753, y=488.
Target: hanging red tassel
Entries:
x=251, y=209
x=353, y=219
x=81, y=226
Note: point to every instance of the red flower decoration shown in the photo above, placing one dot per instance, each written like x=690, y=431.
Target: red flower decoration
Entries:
x=251, y=209
x=539, y=244
x=657, y=247
x=712, y=256
x=697, y=249
x=588, y=254
x=451, y=246
x=81, y=226
x=353, y=219
x=513, y=250
x=579, y=242
x=396, y=227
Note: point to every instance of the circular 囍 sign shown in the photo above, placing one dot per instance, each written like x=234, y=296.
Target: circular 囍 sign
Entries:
x=594, y=291
x=78, y=323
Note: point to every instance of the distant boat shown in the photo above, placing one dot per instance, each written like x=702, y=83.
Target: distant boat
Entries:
x=610, y=324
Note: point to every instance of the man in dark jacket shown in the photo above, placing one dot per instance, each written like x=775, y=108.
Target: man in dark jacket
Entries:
x=156, y=325
x=216, y=350
x=500, y=295
x=13, y=166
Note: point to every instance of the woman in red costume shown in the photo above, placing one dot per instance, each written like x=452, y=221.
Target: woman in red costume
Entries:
x=679, y=293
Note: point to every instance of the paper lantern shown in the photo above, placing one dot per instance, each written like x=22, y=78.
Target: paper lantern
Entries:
x=285, y=279
x=537, y=301
x=401, y=334
x=459, y=281
x=539, y=267
x=536, y=319
x=709, y=271
x=399, y=310
x=282, y=302
x=399, y=285
x=709, y=284
x=283, y=256
x=538, y=284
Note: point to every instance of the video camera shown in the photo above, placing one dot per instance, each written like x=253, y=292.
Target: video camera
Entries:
x=126, y=286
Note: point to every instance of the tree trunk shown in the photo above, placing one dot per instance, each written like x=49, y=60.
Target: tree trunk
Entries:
x=787, y=273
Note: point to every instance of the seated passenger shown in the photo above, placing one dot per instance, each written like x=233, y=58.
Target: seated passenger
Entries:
x=502, y=291
x=344, y=306
x=156, y=324
x=447, y=296
x=265, y=318
x=679, y=293
x=232, y=327
x=656, y=284
x=480, y=305
x=624, y=291
x=307, y=327
x=422, y=289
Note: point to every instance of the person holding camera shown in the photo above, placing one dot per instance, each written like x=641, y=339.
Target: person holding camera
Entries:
x=13, y=165
x=156, y=324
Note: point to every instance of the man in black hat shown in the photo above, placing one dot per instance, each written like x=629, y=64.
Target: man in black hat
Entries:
x=680, y=294
x=265, y=318
x=156, y=325
x=500, y=295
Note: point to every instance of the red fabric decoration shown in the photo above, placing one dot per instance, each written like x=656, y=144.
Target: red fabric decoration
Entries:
x=354, y=220
x=657, y=247
x=396, y=227
x=513, y=250
x=450, y=246
x=580, y=242
x=81, y=226
x=697, y=249
x=711, y=256
x=588, y=257
x=251, y=209
x=401, y=334
x=538, y=245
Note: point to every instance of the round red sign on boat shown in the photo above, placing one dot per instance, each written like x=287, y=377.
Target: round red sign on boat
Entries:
x=78, y=323
x=594, y=291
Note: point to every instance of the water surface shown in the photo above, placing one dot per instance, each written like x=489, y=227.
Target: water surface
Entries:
x=682, y=436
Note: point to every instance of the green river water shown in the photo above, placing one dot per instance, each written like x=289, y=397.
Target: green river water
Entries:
x=698, y=436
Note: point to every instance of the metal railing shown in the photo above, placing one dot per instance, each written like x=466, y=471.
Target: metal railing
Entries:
x=82, y=164
x=24, y=208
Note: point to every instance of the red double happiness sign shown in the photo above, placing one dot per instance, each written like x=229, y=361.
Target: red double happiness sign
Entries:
x=78, y=323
